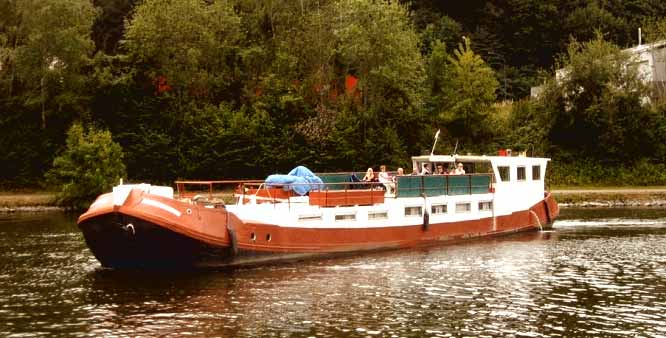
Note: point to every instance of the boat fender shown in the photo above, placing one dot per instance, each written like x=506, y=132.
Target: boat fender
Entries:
x=426, y=221
x=129, y=228
x=233, y=240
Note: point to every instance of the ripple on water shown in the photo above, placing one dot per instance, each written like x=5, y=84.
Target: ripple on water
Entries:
x=599, y=277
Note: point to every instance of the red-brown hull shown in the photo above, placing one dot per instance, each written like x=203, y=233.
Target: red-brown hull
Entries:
x=208, y=237
x=309, y=240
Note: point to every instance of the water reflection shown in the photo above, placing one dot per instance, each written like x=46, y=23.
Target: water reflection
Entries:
x=599, y=273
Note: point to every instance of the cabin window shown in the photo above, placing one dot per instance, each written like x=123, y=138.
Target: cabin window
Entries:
x=504, y=173
x=413, y=211
x=309, y=217
x=345, y=217
x=374, y=215
x=463, y=207
x=438, y=209
x=521, y=174
x=486, y=206
x=536, y=172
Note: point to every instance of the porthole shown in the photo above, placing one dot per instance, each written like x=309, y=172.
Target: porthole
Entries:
x=268, y=237
x=253, y=236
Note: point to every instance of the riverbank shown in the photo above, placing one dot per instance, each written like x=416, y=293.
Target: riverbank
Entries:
x=610, y=197
x=27, y=202
x=567, y=197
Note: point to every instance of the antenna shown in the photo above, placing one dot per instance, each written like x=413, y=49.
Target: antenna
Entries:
x=435, y=143
x=639, y=36
x=456, y=148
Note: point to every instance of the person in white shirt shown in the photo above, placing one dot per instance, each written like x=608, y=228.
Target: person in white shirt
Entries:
x=459, y=169
x=385, y=179
x=426, y=169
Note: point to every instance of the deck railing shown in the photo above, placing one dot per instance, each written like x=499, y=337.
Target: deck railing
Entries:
x=336, y=190
x=439, y=185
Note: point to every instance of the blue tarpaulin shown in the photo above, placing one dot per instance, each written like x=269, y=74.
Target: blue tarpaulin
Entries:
x=300, y=179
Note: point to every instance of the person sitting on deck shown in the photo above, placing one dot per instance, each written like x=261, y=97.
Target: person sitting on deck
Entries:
x=459, y=169
x=385, y=179
x=440, y=170
x=426, y=169
x=369, y=177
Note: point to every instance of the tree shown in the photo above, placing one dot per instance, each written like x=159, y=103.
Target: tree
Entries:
x=654, y=29
x=349, y=68
x=443, y=29
x=90, y=165
x=109, y=25
x=467, y=98
x=45, y=51
x=595, y=105
x=584, y=22
x=51, y=48
x=378, y=43
x=185, y=47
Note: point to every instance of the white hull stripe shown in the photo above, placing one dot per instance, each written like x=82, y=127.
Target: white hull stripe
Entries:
x=161, y=205
x=100, y=201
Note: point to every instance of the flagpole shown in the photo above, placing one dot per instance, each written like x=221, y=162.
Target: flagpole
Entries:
x=435, y=143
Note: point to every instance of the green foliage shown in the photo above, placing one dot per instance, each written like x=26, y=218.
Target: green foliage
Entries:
x=654, y=29
x=463, y=90
x=592, y=18
x=221, y=142
x=49, y=48
x=244, y=88
x=109, y=24
x=378, y=44
x=26, y=150
x=527, y=129
x=45, y=51
x=189, y=44
x=595, y=106
x=90, y=165
x=519, y=38
x=585, y=172
x=445, y=30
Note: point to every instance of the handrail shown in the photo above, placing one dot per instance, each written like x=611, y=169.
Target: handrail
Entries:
x=345, y=193
x=418, y=185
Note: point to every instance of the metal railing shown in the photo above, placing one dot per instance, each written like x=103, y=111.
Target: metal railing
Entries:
x=333, y=193
x=440, y=185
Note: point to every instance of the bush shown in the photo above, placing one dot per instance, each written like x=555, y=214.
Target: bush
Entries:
x=90, y=165
x=592, y=173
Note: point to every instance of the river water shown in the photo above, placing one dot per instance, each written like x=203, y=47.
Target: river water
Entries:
x=599, y=273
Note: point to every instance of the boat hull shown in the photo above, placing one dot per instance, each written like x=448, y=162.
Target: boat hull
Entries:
x=123, y=241
x=131, y=237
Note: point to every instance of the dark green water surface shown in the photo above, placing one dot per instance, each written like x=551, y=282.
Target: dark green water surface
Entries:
x=599, y=273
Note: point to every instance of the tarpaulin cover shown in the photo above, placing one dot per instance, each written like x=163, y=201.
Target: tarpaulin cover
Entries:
x=300, y=179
